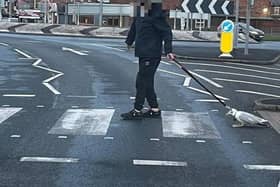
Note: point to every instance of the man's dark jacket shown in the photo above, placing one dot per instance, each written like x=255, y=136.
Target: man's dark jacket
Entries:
x=149, y=32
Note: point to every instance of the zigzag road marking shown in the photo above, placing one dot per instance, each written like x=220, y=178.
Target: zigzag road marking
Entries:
x=36, y=64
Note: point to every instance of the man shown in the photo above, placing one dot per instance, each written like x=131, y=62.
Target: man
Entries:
x=149, y=30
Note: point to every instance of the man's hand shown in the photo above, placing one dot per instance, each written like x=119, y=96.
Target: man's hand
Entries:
x=129, y=47
x=171, y=56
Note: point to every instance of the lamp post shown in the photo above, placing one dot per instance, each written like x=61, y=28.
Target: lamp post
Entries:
x=46, y=11
x=101, y=13
x=248, y=16
x=236, y=24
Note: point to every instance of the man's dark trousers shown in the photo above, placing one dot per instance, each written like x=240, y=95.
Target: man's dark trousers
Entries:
x=145, y=82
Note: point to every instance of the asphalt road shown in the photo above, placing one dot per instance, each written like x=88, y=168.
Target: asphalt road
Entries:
x=61, y=99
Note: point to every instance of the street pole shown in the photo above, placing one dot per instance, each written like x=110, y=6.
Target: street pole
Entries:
x=248, y=15
x=175, y=19
x=10, y=9
x=66, y=14
x=101, y=13
x=236, y=24
x=78, y=21
x=46, y=11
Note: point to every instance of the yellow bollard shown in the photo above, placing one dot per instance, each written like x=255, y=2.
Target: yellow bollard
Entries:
x=227, y=35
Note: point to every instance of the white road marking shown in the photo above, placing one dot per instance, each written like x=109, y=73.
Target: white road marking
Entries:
x=52, y=78
x=108, y=138
x=62, y=137
x=187, y=81
x=23, y=53
x=166, y=63
x=231, y=67
x=207, y=80
x=247, y=142
x=215, y=110
x=49, y=159
x=15, y=136
x=237, y=74
x=207, y=100
x=32, y=41
x=40, y=106
x=278, y=184
x=247, y=82
x=159, y=163
x=179, y=109
x=83, y=122
x=4, y=44
x=200, y=141
x=38, y=61
x=254, y=66
x=262, y=167
x=205, y=92
x=46, y=82
x=172, y=73
x=81, y=96
x=74, y=51
x=258, y=93
x=74, y=106
x=110, y=107
x=18, y=95
x=5, y=113
x=5, y=105
x=195, y=74
x=154, y=139
x=51, y=88
x=188, y=125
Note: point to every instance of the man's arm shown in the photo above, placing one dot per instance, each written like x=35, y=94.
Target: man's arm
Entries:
x=165, y=31
x=131, y=34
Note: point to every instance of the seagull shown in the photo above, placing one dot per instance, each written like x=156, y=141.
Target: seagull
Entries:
x=245, y=118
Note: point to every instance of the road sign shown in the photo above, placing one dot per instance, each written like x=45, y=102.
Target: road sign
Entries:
x=227, y=26
x=226, y=45
x=220, y=7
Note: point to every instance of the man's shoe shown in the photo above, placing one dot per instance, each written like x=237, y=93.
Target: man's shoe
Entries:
x=152, y=114
x=132, y=115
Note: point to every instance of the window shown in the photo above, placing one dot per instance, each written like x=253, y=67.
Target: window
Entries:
x=276, y=10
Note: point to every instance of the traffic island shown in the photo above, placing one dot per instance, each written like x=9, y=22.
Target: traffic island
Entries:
x=268, y=104
x=269, y=109
x=255, y=56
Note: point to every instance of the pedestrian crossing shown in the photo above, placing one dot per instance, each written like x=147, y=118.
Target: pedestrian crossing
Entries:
x=96, y=122
x=6, y=113
x=84, y=122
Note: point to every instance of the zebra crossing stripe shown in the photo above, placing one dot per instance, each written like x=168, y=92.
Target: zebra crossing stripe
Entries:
x=83, y=122
x=5, y=113
x=159, y=163
x=188, y=125
x=49, y=159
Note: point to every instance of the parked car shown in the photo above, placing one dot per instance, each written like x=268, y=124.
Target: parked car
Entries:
x=254, y=33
